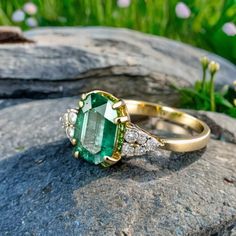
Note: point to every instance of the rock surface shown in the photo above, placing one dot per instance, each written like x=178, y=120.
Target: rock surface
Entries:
x=68, y=61
x=12, y=35
x=44, y=191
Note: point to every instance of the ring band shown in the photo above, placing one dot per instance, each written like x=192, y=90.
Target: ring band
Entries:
x=102, y=132
x=177, y=145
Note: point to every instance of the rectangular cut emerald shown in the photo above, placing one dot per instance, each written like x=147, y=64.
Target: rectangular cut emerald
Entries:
x=95, y=129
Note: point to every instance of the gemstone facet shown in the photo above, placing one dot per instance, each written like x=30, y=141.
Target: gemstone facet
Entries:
x=96, y=132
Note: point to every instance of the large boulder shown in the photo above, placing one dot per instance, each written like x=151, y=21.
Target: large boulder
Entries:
x=68, y=61
x=44, y=191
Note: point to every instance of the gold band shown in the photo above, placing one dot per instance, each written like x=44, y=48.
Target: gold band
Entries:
x=173, y=144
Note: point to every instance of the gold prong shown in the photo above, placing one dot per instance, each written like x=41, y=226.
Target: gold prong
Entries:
x=121, y=119
x=83, y=96
x=118, y=104
x=110, y=160
x=161, y=142
x=81, y=104
x=76, y=154
x=73, y=141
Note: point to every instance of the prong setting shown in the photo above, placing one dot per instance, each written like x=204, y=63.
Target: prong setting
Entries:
x=73, y=141
x=83, y=96
x=122, y=119
x=76, y=154
x=110, y=160
x=81, y=104
x=118, y=104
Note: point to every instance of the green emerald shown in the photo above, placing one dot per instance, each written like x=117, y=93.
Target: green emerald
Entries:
x=95, y=128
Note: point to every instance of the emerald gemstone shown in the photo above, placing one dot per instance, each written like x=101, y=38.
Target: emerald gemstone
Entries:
x=95, y=129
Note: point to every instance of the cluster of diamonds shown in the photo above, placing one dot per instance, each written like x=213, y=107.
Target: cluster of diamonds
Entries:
x=68, y=122
x=138, y=143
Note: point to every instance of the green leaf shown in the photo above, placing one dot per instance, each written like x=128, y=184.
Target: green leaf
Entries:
x=220, y=100
x=224, y=90
x=231, y=112
x=198, y=85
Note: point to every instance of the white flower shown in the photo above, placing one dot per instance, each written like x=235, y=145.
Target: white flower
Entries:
x=123, y=3
x=229, y=28
x=182, y=10
x=18, y=16
x=213, y=67
x=30, y=8
x=31, y=22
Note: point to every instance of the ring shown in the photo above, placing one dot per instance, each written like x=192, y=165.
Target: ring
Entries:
x=101, y=131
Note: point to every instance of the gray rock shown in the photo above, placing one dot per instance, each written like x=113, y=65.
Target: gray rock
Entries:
x=44, y=191
x=68, y=61
x=12, y=35
x=11, y=101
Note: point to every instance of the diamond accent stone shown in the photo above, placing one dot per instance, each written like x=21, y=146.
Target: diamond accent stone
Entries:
x=72, y=116
x=137, y=142
x=70, y=131
x=127, y=150
x=131, y=135
x=64, y=120
x=151, y=144
x=142, y=138
x=140, y=150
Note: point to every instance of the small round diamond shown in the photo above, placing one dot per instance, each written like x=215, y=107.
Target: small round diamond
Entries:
x=139, y=150
x=72, y=117
x=65, y=118
x=127, y=150
x=142, y=138
x=70, y=131
x=151, y=145
x=131, y=136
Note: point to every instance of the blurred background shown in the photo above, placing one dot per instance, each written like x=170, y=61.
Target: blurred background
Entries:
x=208, y=24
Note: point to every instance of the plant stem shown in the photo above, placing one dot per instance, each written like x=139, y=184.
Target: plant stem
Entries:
x=212, y=93
x=203, y=79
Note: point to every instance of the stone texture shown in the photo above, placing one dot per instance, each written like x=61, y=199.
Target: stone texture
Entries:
x=12, y=35
x=68, y=61
x=44, y=191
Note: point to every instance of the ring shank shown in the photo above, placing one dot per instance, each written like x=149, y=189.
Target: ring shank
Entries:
x=181, y=144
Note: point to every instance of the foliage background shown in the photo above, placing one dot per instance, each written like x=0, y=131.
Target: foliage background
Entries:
x=203, y=28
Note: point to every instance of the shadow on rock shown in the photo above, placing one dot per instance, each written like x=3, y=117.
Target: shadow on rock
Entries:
x=39, y=183
x=148, y=168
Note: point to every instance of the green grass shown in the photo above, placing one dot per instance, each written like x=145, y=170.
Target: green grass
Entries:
x=204, y=96
x=203, y=29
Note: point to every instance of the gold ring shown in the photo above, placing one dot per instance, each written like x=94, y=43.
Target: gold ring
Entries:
x=102, y=132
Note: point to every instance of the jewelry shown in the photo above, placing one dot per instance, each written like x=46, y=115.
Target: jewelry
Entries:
x=101, y=130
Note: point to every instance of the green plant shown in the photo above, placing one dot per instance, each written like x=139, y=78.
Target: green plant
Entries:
x=204, y=96
x=203, y=27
